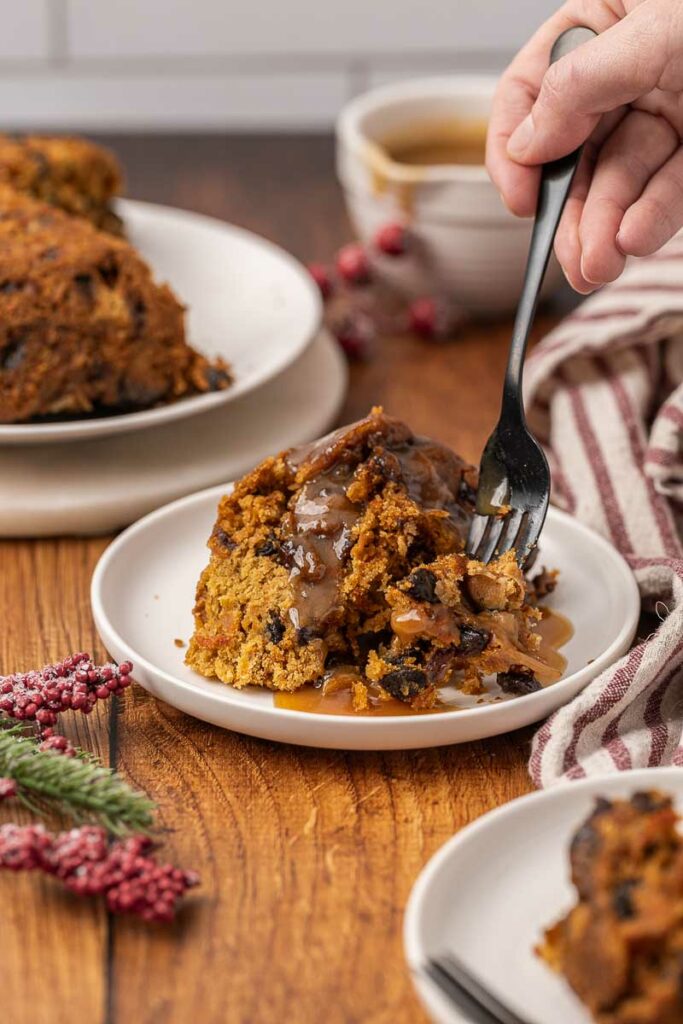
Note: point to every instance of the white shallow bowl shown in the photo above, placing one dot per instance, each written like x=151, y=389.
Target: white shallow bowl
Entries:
x=490, y=892
x=467, y=244
x=101, y=485
x=248, y=301
x=142, y=595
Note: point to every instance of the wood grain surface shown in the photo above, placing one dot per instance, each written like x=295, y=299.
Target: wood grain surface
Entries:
x=307, y=857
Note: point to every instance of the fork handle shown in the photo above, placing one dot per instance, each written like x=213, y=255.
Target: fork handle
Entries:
x=556, y=179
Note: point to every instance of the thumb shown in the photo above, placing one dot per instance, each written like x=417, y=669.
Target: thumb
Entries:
x=604, y=73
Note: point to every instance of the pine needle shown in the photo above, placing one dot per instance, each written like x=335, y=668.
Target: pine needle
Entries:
x=79, y=787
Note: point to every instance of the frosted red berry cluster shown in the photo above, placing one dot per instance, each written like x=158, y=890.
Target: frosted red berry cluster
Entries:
x=75, y=684
x=125, y=872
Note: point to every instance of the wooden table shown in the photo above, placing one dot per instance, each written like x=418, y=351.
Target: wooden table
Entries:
x=307, y=857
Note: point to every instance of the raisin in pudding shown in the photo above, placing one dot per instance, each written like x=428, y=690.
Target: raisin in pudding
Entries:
x=339, y=569
x=84, y=328
x=621, y=946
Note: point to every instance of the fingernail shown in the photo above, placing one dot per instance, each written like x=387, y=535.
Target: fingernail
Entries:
x=620, y=244
x=519, y=141
x=586, y=278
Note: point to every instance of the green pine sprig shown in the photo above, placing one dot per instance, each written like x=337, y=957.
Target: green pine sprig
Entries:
x=79, y=787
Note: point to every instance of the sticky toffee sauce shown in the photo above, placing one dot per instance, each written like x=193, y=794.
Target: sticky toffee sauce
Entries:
x=334, y=696
x=318, y=532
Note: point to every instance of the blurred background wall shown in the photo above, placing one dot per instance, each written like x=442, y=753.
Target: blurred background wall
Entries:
x=234, y=64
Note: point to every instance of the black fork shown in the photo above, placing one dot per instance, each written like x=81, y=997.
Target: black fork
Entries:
x=514, y=476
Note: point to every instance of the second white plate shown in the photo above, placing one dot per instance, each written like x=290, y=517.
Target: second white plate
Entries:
x=248, y=301
x=490, y=892
x=142, y=596
x=101, y=485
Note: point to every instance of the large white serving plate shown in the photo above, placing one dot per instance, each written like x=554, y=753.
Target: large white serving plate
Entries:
x=102, y=485
x=488, y=894
x=248, y=301
x=142, y=595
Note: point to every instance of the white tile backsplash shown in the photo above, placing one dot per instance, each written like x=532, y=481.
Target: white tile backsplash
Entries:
x=486, y=64
x=25, y=30
x=89, y=103
x=224, y=64
x=140, y=28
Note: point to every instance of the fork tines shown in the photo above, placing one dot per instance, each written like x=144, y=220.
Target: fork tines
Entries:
x=491, y=536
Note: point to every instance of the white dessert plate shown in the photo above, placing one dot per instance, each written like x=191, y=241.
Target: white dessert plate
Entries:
x=101, y=485
x=248, y=301
x=142, y=596
x=489, y=893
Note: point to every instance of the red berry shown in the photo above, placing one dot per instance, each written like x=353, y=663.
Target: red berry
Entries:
x=430, y=318
x=353, y=265
x=392, y=239
x=322, y=278
x=58, y=744
x=8, y=788
x=355, y=332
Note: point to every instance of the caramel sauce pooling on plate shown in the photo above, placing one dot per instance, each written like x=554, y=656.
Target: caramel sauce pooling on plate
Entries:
x=334, y=696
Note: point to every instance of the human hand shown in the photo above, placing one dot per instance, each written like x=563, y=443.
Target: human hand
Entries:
x=621, y=94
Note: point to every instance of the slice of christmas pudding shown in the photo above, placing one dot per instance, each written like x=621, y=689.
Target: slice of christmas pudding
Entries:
x=342, y=565
x=620, y=947
x=84, y=327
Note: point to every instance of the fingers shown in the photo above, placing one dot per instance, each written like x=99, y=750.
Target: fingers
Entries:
x=567, y=244
x=658, y=214
x=632, y=154
x=518, y=185
x=515, y=96
x=607, y=72
x=567, y=240
x=517, y=91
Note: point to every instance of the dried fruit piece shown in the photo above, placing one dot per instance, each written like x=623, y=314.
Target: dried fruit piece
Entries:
x=473, y=640
x=404, y=683
x=275, y=627
x=518, y=680
x=622, y=899
x=306, y=634
x=222, y=538
x=269, y=548
x=422, y=586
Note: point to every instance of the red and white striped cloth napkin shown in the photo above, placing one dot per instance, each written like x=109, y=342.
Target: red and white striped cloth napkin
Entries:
x=605, y=396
